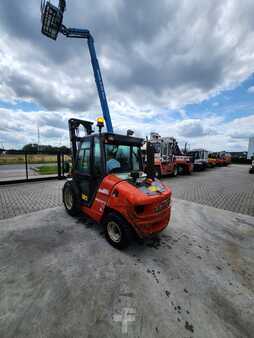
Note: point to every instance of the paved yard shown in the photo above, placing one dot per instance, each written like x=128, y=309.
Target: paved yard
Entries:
x=24, y=198
x=60, y=278
x=230, y=188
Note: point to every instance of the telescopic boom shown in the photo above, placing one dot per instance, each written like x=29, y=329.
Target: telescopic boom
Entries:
x=52, y=18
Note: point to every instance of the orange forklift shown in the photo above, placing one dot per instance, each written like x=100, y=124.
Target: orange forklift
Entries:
x=108, y=184
x=169, y=159
x=107, y=181
x=163, y=155
x=219, y=159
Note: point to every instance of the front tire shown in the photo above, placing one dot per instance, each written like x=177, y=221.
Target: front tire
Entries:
x=71, y=199
x=117, y=231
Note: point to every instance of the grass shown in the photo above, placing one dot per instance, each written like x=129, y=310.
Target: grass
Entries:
x=47, y=170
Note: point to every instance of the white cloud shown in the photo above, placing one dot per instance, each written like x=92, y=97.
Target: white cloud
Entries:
x=250, y=89
x=211, y=132
x=156, y=57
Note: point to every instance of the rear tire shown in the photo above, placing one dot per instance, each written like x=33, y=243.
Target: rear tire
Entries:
x=117, y=231
x=71, y=199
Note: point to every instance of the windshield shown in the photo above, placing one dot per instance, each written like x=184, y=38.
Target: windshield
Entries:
x=157, y=147
x=122, y=158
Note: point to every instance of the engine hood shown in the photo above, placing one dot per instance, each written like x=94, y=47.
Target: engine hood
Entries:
x=143, y=191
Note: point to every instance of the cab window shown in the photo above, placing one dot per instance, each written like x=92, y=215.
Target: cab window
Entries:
x=83, y=164
x=122, y=158
x=135, y=158
x=97, y=156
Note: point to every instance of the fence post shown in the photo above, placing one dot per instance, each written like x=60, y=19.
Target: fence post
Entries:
x=26, y=166
x=62, y=163
x=59, y=165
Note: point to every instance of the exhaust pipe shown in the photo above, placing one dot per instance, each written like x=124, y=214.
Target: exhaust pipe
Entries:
x=150, y=168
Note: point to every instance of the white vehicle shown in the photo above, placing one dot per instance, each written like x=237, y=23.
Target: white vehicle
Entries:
x=199, y=158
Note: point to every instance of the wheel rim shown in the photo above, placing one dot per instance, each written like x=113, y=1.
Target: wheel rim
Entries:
x=68, y=198
x=114, y=231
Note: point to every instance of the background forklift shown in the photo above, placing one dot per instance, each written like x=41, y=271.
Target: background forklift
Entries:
x=107, y=180
x=169, y=159
x=199, y=158
x=163, y=155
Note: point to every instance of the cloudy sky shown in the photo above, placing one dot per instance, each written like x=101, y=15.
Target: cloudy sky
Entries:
x=181, y=68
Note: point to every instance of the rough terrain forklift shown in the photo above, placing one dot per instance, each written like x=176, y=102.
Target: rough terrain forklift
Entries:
x=107, y=181
x=108, y=184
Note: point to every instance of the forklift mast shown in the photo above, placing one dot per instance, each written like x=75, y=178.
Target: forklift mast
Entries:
x=168, y=145
x=74, y=125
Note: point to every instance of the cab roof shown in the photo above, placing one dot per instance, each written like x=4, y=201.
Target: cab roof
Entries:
x=118, y=139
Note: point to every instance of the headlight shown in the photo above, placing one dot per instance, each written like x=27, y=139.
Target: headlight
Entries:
x=164, y=204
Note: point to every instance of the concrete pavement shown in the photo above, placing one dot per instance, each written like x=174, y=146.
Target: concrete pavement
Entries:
x=60, y=278
x=18, y=171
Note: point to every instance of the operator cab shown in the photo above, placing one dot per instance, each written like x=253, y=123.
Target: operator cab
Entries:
x=108, y=184
x=98, y=155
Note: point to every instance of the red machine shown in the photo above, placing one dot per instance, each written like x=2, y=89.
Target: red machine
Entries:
x=220, y=159
x=184, y=164
x=168, y=158
x=107, y=180
x=109, y=185
x=225, y=157
x=163, y=157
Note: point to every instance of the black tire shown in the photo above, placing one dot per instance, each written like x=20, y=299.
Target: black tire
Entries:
x=122, y=234
x=71, y=199
x=157, y=172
